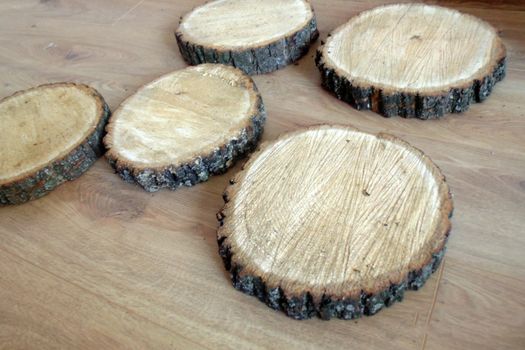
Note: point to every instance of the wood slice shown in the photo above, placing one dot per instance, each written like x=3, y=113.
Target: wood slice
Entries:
x=50, y=134
x=185, y=126
x=412, y=60
x=334, y=222
x=252, y=35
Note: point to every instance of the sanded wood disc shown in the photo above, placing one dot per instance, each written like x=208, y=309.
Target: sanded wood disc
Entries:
x=412, y=60
x=252, y=35
x=185, y=126
x=50, y=134
x=334, y=222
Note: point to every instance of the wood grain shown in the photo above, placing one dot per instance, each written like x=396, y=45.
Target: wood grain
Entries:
x=234, y=24
x=51, y=133
x=329, y=221
x=412, y=60
x=255, y=36
x=43, y=124
x=424, y=48
x=100, y=263
x=185, y=126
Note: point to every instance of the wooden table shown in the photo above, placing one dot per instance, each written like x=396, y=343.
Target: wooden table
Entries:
x=102, y=264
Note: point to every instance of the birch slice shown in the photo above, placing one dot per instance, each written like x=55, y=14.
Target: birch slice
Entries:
x=412, y=60
x=185, y=126
x=334, y=222
x=50, y=134
x=255, y=36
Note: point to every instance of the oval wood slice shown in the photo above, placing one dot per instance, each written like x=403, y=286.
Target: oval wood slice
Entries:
x=252, y=35
x=50, y=134
x=334, y=222
x=185, y=126
x=412, y=60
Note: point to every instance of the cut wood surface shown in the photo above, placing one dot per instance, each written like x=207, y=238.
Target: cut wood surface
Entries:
x=101, y=264
x=255, y=36
x=185, y=126
x=412, y=60
x=334, y=222
x=50, y=134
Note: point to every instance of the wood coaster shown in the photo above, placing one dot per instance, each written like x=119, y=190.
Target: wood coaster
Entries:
x=185, y=126
x=51, y=134
x=255, y=36
x=412, y=60
x=334, y=222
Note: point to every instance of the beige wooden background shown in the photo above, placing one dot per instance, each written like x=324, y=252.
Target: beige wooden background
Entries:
x=102, y=264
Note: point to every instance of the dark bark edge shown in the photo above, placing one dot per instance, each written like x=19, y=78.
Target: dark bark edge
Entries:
x=305, y=306
x=66, y=169
x=257, y=60
x=201, y=167
x=409, y=105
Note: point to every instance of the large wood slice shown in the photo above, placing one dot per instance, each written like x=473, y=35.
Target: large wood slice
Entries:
x=412, y=60
x=50, y=134
x=334, y=222
x=185, y=126
x=255, y=36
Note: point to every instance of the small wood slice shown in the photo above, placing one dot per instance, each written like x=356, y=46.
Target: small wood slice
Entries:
x=185, y=126
x=334, y=222
x=252, y=35
x=412, y=60
x=50, y=134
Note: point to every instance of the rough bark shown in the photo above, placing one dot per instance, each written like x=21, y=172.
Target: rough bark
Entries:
x=68, y=168
x=409, y=105
x=201, y=167
x=304, y=306
x=256, y=60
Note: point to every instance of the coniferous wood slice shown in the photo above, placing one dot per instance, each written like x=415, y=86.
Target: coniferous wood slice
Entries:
x=334, y=222
x=412, y=60
x=50, y=134
x=185, y=126
x=255, y=36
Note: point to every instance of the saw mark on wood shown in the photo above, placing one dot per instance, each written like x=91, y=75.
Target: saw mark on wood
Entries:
x=125, y=14
x=433, y=305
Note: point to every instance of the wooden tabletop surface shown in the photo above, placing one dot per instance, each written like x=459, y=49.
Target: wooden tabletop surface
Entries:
x=100, y=263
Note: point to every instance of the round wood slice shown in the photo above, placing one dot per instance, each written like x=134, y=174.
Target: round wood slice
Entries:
x=412, y=60
x=334, y=222
x=255, y=36
x=50, y=134
x=185, y=126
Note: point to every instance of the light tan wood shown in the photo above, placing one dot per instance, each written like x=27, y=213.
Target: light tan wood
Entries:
x=412, y=60
x=185, y=126
x=182, y=115
x=239, y=24
x=102, y=264
x=51, y=134
x=42, y=125
x=255, y=36
x=333, y=212
x=414, y=48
